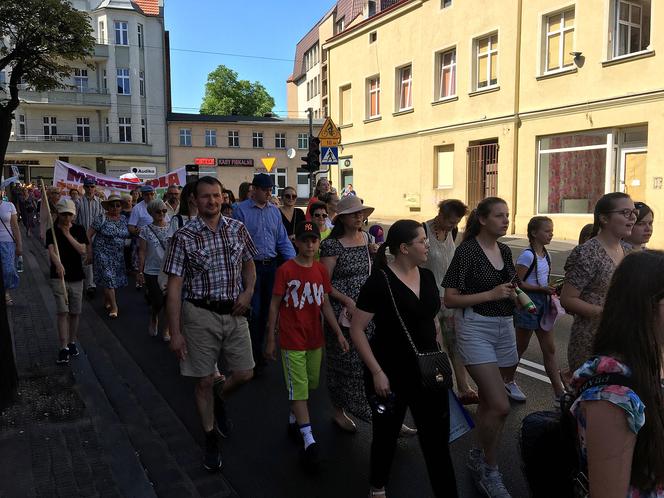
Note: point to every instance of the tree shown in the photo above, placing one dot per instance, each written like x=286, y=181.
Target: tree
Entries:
x=225, y=95
x=38, y=38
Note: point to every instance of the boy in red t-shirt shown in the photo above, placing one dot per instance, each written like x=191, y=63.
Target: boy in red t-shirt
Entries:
x=301, y=289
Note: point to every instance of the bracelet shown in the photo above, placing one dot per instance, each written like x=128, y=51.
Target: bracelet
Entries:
x=376, y=373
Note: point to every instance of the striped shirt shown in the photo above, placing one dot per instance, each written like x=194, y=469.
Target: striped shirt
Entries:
x=210, y=261
x=87, y=211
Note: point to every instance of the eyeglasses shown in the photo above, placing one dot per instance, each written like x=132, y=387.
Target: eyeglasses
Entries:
x=115, y=205
x=320, y=215
x=162, y=211
x=627, y=213
x=290, y=196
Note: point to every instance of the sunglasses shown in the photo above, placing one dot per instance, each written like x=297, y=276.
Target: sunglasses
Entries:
x=290, y=196
x=162, y=211
x=320, y=215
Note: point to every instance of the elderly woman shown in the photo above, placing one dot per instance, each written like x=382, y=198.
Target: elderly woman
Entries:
x=152, y=243
x=108, y=233
x=11, y=245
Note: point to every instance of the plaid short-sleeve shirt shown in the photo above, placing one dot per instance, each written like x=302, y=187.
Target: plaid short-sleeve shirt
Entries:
x=210, y=261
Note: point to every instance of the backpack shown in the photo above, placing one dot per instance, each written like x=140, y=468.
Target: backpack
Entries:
x=550, y=452
x=533, y=265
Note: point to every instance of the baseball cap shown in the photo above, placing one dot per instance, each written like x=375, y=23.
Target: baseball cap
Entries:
x=147, y=188
x=261, y=180
x=89, y=181
x=66, y=206
x=306, y=229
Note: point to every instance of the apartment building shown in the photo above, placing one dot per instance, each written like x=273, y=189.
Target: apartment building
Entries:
x=111, y=113
x=548, y=104
x=231, y=147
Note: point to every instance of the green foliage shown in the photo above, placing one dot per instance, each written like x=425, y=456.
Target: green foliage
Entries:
x=225, y=95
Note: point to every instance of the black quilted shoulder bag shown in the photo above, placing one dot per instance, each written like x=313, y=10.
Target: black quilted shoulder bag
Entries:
x=434, y=367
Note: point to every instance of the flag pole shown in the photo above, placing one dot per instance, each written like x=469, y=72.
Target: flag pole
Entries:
x=55, y=239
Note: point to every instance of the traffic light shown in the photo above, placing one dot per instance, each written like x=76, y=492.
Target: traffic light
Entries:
x=314, y=154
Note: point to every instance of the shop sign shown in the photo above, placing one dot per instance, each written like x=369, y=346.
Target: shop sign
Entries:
x=205, y=161
x=236, y=162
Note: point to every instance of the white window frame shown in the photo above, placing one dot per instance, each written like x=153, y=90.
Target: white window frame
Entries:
x=123, y=81
x=560, y=32
x=373, y=92
x=104, y=81
x=50, y=125
x=630, y=25
x=102, y=32
x=141, y=83
x=257, y=140
x=276, y=174
x=140, y=31
x=107, y=130
x=185, y=137
x=81, y=80
x=444, y=172
x=22, y=131
x=442, y=68
x=83, y=125
x=303, y=141
x=144, y=131
x=490, y=51
x=233, y=138
x=280, y=140
x=124, y=129
x=401, y=82
x=121, y=33
x=210, y=138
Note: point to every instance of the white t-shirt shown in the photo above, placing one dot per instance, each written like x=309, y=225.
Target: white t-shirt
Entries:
x=539, y=278
x=139, y=216
x=7, y=209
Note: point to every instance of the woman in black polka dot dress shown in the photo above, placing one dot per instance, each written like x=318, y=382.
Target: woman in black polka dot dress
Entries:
x=479, y=284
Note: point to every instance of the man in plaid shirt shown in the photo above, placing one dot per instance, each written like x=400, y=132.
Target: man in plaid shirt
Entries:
x=210, y=264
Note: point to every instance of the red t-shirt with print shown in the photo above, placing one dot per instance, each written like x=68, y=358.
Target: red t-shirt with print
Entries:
x=303, y=290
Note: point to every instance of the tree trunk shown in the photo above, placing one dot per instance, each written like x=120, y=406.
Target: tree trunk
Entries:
x=5, y=131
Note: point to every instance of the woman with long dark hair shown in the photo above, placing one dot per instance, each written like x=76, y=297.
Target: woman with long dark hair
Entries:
x=480, y=285
x=392, y=377
x=589, y=268
x=290, y=215
x=621, y=427
x=642, y=229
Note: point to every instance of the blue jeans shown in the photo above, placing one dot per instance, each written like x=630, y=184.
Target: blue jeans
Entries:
x=260, y=307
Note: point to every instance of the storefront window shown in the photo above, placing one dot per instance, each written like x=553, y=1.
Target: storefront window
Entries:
x=572, y=172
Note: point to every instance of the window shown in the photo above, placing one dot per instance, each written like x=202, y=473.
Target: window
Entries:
x=141, y=83
x=373, y=97
x=631, y=27
x=279, y=140
x=559, y=40
x=144, y=132
x=573, y=171
x=302, y=140
x=123, y=81
x=344, y=105
x=257, y=138
x=447, y=74
x=102, y=33
x=21, y=125
x=371, y=8
x=233, y=138
x=486, y=51
x=405, y=86
x=121, y=33
x=107, y=130
x=140, y=36
x=280, y=180
x=185, y=137
x=210, y=138
x=81, y=79
x=50, y=126
x=83, y=129
x=124, y=127
x=339, y=26
x=445, y=166
x=446, y=3
x=311, y=57
x=373, y=36
x=104, y=84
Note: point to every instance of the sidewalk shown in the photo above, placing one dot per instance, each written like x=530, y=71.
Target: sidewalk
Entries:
x=97, y=427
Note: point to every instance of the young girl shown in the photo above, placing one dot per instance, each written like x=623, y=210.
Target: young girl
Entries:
x=533, y=268
x=642, y=229
x=621, y=428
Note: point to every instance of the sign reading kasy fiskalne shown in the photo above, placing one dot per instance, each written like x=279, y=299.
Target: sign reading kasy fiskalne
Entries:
x=235, y=162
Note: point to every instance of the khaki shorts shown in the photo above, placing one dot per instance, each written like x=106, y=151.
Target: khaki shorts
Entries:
x=74, y=294
x=209, y=334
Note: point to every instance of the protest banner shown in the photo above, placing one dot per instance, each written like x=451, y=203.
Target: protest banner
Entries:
x=67, y=176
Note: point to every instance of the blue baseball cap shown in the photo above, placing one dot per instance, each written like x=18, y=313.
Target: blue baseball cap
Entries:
x=146, y=188
x=261, y=180
x=89, y=181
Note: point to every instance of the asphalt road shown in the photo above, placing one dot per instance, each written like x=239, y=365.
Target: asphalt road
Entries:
x=261, y=462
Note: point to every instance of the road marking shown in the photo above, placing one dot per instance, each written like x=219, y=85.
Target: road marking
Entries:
x=532, y=364
x=534, y=375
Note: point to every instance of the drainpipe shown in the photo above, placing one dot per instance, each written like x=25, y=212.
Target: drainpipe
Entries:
x=517, y=119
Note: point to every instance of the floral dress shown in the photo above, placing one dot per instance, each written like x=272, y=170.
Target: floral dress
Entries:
x=589, y=269
x=108, y=251
x=345, y=371
x=621, y=396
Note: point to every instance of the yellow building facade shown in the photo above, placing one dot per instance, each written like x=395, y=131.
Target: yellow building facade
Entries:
x=547, y=104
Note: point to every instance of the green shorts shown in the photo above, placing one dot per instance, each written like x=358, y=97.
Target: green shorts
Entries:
x=301, y=372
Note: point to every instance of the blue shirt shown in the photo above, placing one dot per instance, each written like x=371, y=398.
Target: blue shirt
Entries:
x=266, y=229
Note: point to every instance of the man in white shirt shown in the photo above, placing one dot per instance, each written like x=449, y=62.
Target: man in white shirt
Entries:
x=172, y=200
x=139, y=215
x=88, y=208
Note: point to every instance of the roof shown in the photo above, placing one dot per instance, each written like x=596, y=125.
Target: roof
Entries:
x=149, y=7
x=146, y=7
x=214, y=118
x=385, y=7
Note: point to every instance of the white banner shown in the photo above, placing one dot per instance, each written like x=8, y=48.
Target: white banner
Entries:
x=67, y=176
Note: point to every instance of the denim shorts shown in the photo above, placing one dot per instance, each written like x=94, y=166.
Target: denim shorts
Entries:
x=531, y=321
x=485, y=339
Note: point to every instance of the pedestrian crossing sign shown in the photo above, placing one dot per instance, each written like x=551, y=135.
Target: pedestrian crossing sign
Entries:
x=329, y=155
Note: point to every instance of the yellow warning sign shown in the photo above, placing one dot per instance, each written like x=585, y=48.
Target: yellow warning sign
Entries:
x=329, y=133
x=268, y=162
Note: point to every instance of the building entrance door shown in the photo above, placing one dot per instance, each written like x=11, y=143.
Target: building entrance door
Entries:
x=633, y=168
x=482, y=171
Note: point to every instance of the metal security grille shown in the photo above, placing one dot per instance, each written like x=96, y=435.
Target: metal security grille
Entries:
x=482, y=172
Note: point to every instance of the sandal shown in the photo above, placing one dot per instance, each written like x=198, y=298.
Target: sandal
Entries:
x=113, y=314
x=469, y=398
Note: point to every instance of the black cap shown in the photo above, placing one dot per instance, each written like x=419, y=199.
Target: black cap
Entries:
x=306, y=229
x=261, y=180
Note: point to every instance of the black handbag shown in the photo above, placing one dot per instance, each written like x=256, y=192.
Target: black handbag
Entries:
x=434, y=367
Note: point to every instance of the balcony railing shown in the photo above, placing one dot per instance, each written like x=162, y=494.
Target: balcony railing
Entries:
x=69, y=95
x=58, y=138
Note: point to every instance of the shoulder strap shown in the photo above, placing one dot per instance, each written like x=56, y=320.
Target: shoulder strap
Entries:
x=8, y=230
x=180, y=220
x=157, y=237
x=609, y=379
x=396, y=310
x=532, y=266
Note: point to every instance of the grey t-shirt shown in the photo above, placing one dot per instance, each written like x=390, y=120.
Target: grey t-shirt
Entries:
x=155, y=247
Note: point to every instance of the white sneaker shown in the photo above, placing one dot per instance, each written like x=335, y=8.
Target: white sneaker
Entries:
x=491, y=483
x=514, y=392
